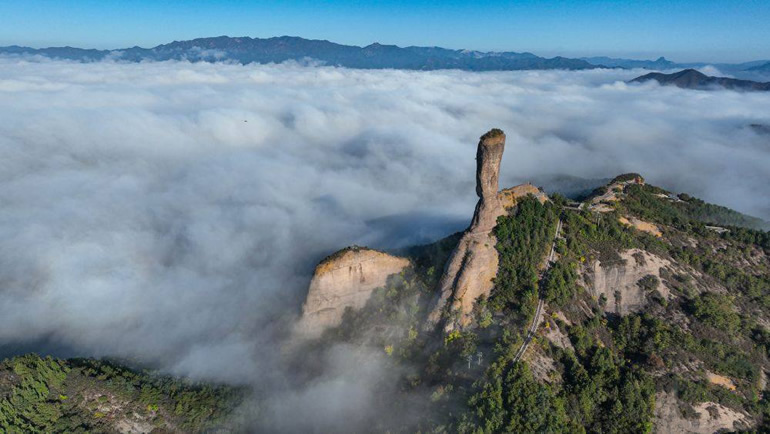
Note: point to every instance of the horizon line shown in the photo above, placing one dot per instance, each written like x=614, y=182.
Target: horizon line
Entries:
x=581, y=57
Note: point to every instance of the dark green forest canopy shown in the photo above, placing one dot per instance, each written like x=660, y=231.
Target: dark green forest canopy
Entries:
x=48, y=395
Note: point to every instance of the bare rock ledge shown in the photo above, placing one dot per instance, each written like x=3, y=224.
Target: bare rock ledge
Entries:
x=345, y=279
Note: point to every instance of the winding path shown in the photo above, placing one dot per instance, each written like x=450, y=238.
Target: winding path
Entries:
x=540, y=301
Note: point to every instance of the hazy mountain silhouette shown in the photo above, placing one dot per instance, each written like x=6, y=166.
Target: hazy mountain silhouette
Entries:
x=765, y=67
x=692, y=79
x=255, y=50
x=612, y=62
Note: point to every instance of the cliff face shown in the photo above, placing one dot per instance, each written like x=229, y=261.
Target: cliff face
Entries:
x=641, y=304
x=473, y=264
x=509, y=196
x=619, y=282
x=345, y=279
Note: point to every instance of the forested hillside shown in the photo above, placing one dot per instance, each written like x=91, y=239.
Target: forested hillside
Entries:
x=656, y=316
x=83, y=395
x=685, y=350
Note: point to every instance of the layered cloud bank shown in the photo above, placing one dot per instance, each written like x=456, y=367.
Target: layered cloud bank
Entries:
x=172, y=212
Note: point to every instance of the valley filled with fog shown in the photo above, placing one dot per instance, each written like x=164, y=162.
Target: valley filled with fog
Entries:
x=171, y=213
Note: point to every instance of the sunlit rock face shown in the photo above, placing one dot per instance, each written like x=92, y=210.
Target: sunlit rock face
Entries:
x=510, y=196
x=473, y=264
x=345, y=279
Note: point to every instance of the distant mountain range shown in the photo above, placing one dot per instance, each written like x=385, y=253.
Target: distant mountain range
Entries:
x=765, y=67
x=757, y=70
x=692, y=79
x=255, y=50
x=611, y=62
x=662, y=63
x=246, y=50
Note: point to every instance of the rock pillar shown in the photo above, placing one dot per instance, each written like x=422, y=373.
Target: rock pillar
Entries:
x=472, y=266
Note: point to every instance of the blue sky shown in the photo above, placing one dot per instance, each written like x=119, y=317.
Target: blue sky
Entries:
x=685, y=30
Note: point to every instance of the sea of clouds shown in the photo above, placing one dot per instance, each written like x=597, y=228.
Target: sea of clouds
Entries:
x=172, y=213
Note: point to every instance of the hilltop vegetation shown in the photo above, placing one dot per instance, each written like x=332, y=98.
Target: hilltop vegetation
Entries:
x=45, y=395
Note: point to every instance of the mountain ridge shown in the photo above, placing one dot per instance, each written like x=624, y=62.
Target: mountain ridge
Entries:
x=763, y=67
x=615, y=62
x=692, y=79
x=631, y=310
x=648, y=309
x=247, y=50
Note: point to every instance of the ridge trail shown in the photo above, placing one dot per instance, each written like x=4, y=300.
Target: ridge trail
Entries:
x=540, y=301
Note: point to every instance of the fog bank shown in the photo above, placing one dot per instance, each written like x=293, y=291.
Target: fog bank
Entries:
x=171, y=212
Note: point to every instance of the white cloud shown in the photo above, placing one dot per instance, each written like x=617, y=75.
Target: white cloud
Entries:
x=172, y=212
x=713, y=71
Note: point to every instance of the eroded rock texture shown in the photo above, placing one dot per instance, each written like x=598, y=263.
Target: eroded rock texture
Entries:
x=708, y=417
x=510, y=196
x=619, y=281
x=345, y=279
x=473, y=264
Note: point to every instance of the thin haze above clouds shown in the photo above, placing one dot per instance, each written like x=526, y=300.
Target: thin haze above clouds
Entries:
x=172, y=213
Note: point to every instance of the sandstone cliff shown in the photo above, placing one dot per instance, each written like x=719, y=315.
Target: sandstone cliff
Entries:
x=345, y=279
x=473, y=264
x=509, y=196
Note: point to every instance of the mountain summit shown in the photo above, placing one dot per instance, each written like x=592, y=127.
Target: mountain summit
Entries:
x=631, y=309
x=472, y=266
x=692, y=79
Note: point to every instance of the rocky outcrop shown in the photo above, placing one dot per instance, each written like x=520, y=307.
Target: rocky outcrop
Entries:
x=641, y=225
x=472, y=266
x=542, y=366
x=557, y=337
x=614, y=191
x=618, y=282
x=510, y=196
x=345, y=279
x=707, y=417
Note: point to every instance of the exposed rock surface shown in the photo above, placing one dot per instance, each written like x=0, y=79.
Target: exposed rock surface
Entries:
x=613, y=192
x=710, y=417
x=641, y=225
x=557, y=337
x=543, y=367
x=618, y=281
x=509, y=196
x=126, y=426
x=473, y=264
x=345, y=279
x=720, y=380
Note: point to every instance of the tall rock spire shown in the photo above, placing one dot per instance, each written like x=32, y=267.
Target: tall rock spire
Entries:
x=472, y=266
x=488, y=157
